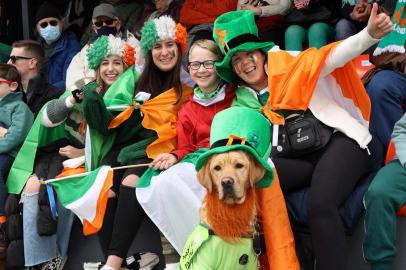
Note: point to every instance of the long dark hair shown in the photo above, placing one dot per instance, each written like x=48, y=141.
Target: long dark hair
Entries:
x=155, y=81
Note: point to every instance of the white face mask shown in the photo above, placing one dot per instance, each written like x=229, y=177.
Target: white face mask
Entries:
x=50, y=33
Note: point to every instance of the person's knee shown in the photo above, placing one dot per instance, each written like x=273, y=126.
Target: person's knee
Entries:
x=295, y=35
x=32, y=185
x=380, y=86
x=130, y=180
x=111, y=194
x=343, y=29
x=378, y=193
x=319, y=34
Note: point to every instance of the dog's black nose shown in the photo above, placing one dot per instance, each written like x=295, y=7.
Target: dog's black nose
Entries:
x=228, y=186
x=228, y=182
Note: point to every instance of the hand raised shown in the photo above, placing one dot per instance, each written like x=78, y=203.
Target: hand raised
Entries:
x=379, y=25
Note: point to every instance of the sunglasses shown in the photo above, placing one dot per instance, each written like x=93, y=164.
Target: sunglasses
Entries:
x=14, y=58
x=6, y=81
x=105, y=22
x=51, y=22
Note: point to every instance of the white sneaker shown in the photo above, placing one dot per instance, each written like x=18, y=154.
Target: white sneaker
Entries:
x=172, y=266
x=97, y=266
x=142, y=261
x=92, y=265
x=106, y=267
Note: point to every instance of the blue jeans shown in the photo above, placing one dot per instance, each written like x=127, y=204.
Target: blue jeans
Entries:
x=39, y=249
x=346, y=28
x=5, y=164
x=387, y=91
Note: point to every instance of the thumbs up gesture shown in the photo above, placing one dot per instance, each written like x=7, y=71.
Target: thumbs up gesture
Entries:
x=379, y=25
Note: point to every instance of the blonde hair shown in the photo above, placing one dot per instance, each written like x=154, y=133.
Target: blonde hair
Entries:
x=209, y=45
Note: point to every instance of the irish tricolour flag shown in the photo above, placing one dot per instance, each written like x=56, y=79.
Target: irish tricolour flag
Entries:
x=86, y=195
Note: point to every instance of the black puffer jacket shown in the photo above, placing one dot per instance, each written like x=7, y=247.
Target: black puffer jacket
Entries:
x=14, y=231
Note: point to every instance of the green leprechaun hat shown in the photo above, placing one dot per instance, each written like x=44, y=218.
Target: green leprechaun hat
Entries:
x=240, y=128
x=236, y=31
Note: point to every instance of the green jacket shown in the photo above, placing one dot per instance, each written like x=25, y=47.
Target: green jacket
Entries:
x=17, y=118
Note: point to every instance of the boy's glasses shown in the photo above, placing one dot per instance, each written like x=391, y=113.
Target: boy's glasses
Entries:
x=51, y=22
x=195, y=65
x=105, y=22
x=6, y=81
x=14, y=58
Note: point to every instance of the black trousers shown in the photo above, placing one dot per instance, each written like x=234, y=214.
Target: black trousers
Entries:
x=124, y=215
x=332, y=174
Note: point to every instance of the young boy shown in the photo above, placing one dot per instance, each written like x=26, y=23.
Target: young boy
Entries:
x=15, y=122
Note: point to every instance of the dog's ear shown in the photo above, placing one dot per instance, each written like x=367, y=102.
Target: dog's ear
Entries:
x=256, y=171
x=204, y=176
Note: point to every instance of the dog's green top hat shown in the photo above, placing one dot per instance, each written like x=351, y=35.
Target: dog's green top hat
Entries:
x=239, y=128
x=236, y=31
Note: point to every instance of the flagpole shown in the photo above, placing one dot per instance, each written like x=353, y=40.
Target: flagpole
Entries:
x=44, y=182
x=130, y=166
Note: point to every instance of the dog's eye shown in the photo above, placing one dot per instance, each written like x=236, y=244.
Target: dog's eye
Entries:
x=217, y=168
x=239, y=165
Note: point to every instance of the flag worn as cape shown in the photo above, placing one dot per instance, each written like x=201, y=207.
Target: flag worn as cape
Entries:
x=395, y=40
x=86, y=196
x=160, y=112
x=292, y=81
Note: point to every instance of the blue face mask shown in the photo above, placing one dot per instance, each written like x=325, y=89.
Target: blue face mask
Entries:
x=50, y=33
x=106, y=30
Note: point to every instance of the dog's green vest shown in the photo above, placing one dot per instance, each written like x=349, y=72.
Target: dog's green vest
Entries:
x=205, y=251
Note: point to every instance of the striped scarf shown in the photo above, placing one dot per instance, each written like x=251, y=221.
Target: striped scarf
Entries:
x=394, y=42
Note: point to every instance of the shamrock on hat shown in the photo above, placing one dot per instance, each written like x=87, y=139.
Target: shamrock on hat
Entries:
x=236, y=31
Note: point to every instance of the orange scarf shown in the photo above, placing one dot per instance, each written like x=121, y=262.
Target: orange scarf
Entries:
x=161, y=115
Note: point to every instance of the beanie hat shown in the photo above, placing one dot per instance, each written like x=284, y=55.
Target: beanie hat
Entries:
x=48, y=9
x=162, y=28
x=105, y=46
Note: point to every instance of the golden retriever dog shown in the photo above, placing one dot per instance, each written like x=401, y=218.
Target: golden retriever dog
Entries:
x=229, y=207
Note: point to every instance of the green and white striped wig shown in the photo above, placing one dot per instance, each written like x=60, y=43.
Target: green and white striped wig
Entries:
x=105, y=46
x=162, y=28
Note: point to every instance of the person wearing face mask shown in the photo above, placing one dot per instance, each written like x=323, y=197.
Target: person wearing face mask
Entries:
x=105, y=21
x=63, y=121
x=59, y=46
